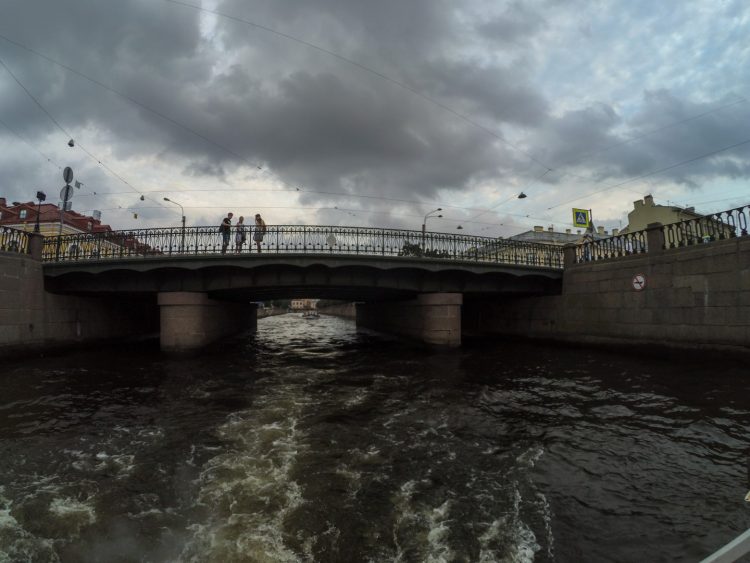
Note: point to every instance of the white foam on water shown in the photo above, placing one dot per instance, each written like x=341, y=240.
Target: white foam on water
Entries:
x=547, y=518
x=17, y=544
x=438, y=549
x=248, y=490
x=529, y=458
x=121, y=465
x=426, y=528
x=508, y=539
x=357, y=398
x=72, y=515
x=353, y=480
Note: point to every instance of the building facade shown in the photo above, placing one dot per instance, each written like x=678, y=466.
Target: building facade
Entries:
x=53, y=222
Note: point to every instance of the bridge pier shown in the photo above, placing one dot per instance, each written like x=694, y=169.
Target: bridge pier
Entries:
x=191, y=320
x=434, y=318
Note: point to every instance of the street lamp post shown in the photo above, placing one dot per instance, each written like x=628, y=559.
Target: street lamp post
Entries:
x=182, y=244
x=41, y=196
x=424, y=224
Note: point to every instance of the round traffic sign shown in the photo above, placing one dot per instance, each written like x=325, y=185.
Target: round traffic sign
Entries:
x=66, y=193
x=68, y=174
x=639, y=282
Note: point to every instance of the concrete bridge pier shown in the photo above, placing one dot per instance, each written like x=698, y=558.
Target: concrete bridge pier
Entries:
x=434, y=318
x=191, y=320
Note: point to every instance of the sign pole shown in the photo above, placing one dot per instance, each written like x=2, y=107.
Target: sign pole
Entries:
x=65, y=195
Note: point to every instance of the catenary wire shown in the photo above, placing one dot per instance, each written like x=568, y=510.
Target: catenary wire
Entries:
x=652, y=173
x=67, y=134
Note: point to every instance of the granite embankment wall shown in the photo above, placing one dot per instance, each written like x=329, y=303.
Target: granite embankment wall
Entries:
x=345, y=310
x=31, y=318
x=433, y=318
x=694, y=297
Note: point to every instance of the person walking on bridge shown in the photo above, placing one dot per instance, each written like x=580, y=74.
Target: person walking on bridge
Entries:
x=260, y=230
x=239, y=237
x=226, y=232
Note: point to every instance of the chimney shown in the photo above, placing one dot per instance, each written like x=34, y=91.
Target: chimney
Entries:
x=2, y=202
x=600, y=230
x=567, y=231
x=578, y=232
x=551, y=228
x=648, y=200
x=538, y=229
x=615, y=232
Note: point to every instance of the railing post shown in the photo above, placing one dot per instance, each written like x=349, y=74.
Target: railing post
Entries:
x=36, y=245
x=654, y=238
x=569, y=255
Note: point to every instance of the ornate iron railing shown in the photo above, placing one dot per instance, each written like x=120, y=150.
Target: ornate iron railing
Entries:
x=731, y=223
x=612, y=247
x=295, y=239
x=13, y=240
x=727, y=224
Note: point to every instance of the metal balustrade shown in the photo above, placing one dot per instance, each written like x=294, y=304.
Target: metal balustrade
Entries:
x=723, y=225
x=295, y=239
x=13, y=240
x=612, y=247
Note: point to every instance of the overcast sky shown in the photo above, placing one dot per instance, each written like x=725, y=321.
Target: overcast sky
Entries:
x=354, y=112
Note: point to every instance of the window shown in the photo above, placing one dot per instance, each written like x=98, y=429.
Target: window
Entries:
x=22, y=214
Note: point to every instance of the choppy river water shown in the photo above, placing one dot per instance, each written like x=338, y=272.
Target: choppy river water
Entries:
x=311, y=442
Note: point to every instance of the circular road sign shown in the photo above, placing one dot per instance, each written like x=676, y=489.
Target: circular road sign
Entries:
x=639, y=282
x=68, y=174
x=66, y=193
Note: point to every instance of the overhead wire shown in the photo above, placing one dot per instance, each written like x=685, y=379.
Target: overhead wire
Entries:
x=44, y=156
x=173, y=121
x=67, y=134
x=654, y=172
x=367, y=69
x=381, y=75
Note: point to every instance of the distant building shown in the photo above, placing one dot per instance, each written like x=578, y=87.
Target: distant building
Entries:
x=23, y=216
x=558, y=238
x=304, y=304
x=645, y=211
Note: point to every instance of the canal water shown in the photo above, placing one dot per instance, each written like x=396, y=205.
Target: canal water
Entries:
x=310, y=441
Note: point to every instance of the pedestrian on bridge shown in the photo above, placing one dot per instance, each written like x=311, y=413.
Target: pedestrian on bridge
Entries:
x=239, y=235
x=226, y=232
x=260, y=230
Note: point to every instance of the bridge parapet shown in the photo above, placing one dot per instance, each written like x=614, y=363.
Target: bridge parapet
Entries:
x=300, y=239
x=732, y=223
x=14, y=240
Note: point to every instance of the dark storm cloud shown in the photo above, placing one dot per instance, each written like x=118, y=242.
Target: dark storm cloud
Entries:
x=602, y=144
x=242, y=97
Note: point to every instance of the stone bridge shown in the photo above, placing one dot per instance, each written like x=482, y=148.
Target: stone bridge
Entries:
x=684, y=284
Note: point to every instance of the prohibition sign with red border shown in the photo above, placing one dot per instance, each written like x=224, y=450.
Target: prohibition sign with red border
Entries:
x=639, y=282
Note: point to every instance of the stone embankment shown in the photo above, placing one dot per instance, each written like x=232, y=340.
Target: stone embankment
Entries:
x=345, y=310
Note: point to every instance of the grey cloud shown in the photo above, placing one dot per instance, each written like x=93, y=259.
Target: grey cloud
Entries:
x=319, y=122
x=517, y=24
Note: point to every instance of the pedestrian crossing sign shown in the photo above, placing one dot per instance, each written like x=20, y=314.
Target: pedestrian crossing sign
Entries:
x=581, y=217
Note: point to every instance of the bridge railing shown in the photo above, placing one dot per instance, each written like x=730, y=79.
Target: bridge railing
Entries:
x=299, y=239
x=612, y=247
x=723, y=225
x=13, y=240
